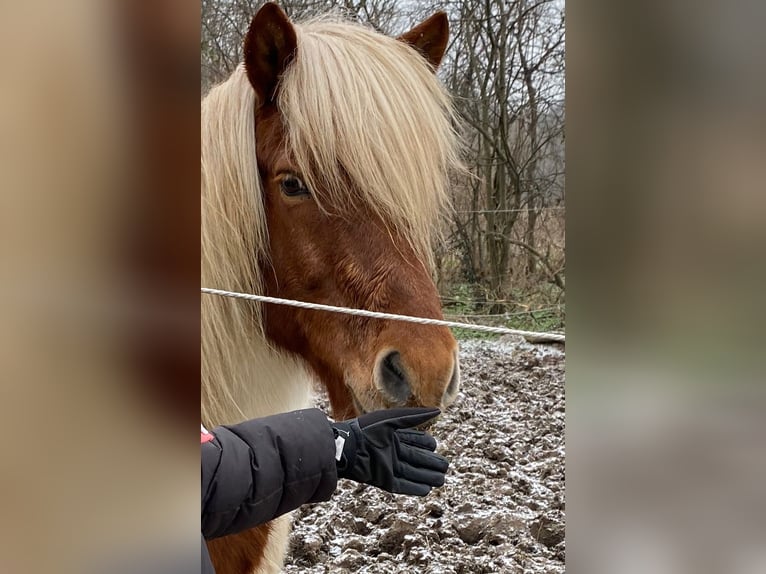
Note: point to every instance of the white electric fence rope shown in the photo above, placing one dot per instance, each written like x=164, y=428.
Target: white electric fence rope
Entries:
x=378, y=315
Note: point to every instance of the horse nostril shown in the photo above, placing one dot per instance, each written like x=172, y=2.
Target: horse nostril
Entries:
x=393, y=378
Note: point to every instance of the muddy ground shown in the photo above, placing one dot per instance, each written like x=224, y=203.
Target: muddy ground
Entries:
x=502, y=507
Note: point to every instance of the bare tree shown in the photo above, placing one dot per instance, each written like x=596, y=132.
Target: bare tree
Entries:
x=506, y=70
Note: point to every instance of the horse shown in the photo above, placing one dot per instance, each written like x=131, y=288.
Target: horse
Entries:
x=325, y=159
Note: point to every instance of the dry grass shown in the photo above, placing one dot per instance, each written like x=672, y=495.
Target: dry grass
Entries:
x=522, y=297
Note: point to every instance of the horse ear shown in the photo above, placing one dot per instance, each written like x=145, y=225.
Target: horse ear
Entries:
x=430, y=38
x=269, y=47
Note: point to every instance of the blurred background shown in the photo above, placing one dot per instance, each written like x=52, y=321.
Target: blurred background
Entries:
x=665, y=222
x=99, y=299
x=665, y=171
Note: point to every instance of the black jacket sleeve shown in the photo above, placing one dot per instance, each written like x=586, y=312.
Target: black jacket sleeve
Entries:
x=257, y=470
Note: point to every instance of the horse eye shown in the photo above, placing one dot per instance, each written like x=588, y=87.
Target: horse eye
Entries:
x=293, y=186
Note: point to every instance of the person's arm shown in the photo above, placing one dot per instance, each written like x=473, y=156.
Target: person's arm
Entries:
x=257, y=470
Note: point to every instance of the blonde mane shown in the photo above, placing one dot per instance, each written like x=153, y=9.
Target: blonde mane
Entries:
x=360, y=108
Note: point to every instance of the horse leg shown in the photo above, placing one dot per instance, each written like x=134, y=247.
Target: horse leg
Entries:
x=258, y=550
x=239, y=553
x=276, y=545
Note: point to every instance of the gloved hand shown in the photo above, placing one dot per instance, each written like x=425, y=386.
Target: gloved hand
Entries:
x=380, y=449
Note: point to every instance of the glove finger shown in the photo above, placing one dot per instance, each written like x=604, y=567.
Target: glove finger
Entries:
x=418, y=439
x=423, y=458
x=403, y=486
x=422, y=475
x=399, y=418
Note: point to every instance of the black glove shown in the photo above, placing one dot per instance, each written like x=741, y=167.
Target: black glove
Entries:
x=380, y=449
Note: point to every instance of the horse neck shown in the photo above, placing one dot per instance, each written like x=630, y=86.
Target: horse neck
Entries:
x=245, y=377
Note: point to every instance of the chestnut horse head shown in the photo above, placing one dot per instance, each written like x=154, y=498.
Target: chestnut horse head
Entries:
x=325, y=165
